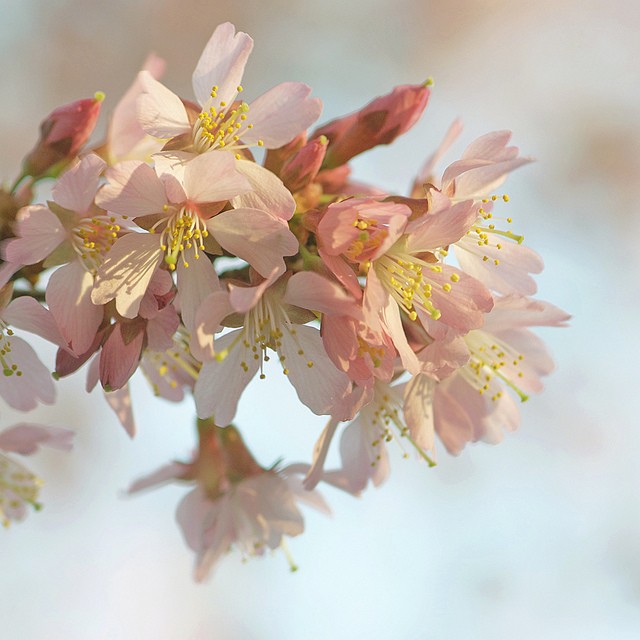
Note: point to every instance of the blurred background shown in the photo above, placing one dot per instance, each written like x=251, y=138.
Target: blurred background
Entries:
x=538, y=537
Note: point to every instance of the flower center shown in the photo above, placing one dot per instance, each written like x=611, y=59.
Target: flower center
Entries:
x=483, y=235
x=92, y=238
x=369, y=238
x=492, y=361
x=221, y=125
x=264, y=327
x=184, y=233
x=407, y=278
x=384, y=417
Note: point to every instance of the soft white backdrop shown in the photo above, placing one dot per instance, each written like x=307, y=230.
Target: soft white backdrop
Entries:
x=536, y=538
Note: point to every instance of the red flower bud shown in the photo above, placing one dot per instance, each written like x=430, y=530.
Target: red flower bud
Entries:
x=62, y=135
x=380, y=122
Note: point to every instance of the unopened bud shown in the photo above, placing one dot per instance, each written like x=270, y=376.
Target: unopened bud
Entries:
x=300, y=170
x=380, y=122
x=62, y=135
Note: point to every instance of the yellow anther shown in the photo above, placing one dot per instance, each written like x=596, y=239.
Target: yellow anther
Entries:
x=455, y=277
x=447, y=287
x=496, y=262
x=505, y=197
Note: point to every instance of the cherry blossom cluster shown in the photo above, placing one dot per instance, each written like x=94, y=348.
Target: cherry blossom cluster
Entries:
x=206, y=242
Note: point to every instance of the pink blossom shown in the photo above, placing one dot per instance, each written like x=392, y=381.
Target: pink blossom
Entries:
x=74, y=232
x=402, y=262
x=396, y=413
x=474, y=403
x=225, y=121
x=181, y=206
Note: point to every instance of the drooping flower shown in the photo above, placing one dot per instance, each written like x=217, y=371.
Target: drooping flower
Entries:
x=274, y=318
x=236, y=502
x=19, y=487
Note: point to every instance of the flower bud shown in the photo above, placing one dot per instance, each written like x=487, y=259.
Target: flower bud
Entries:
x=380, y=122
x=62, y=135
x=302, y=168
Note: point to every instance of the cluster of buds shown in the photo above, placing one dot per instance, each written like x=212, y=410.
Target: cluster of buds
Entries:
x=347, y=290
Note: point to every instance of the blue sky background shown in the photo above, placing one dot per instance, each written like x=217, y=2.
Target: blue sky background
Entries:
x=538, y=537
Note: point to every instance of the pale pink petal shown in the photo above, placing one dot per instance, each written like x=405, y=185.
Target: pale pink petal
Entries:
x=93, y=373
x=195, y=283
x=127, y=271
x=244, y=298
x=453, y=423
x=481, y=181
x=220, y=384
x=210, y=314
x=320, y=451
x=133, y=189
x=160, y=111
x=69, y=298
x=302, y=494
x=444, y=356
x=418, y=411
x=120, y=355
x=310, y=290
x=120, y=401
x=192, y=512
x=515, y=311
x=256, y=237
x=505, y=416
x=464, y=306
x=126, y=137
x=38, y=233
x=26, y=438
x=511, y=273
x=280, y=114
x=212, y=177
x=491, y=146
x=361, y=461
x=320, y=385
x=161, y=329
x=7, y=270
x=427, y=171
x=28, y=314
x=76, y=188
x=343, y=272
x=35, y=384
x=163, y=475
x=222, y=64
x=442, y=226
x=267, y=192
